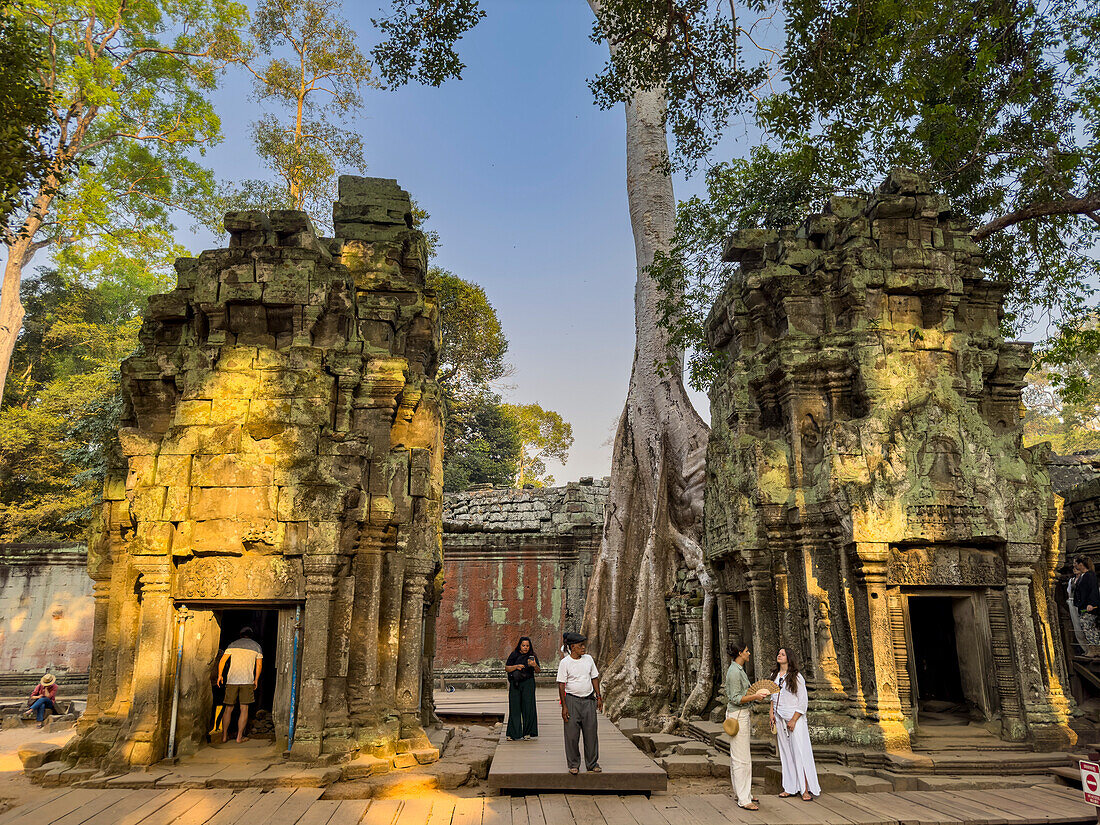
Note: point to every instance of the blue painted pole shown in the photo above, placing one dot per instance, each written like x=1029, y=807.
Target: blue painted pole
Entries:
x=294, y=679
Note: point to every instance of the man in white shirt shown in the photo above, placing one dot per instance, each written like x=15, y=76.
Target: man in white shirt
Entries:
x=246, y=660
x=579, y=692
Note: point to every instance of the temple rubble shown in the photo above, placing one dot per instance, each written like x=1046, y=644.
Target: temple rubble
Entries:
x=281, y=454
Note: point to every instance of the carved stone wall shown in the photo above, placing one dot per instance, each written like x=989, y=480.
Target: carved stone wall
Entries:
x=866, y=451
x=282, y=444
x=516, y=563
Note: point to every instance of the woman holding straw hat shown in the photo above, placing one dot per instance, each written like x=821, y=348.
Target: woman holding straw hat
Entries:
x=738, y=724
x=42, y=698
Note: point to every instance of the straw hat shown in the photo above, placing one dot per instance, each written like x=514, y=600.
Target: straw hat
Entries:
x=47, y=680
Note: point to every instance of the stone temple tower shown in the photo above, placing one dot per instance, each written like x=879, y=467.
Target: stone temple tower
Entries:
x=280, y=457
x=868, y=502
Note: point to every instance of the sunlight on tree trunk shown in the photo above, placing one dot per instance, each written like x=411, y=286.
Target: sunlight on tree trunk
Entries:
x=654, y=511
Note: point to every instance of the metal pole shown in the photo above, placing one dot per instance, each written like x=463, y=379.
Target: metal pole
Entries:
x=181, y=618
x=294, y=678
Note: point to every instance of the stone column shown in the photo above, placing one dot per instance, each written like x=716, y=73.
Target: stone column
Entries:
x=408, y=656
x=389, y=628
x=876, y=649
x=147, y=736
x=363, y=663
x=1046, y=722
x=101, y=590
x=320, y=571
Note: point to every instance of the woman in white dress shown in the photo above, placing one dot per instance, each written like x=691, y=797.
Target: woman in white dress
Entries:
x=788, y=714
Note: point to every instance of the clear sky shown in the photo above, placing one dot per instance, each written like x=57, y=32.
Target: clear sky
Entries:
x=525, y=181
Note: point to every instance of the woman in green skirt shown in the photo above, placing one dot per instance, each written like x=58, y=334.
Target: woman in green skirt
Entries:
x=522, y=665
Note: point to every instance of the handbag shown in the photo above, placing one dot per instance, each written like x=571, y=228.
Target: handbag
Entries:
x=731, y=726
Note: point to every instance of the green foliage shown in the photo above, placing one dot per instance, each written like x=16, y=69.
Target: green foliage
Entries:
x=481, y=442
x=997, y=101
x=1062, y=396
x=420, y=39
x=24, y=162
x=63, y=402
x=544, y=434
x=707, y=63
x=474, y=345
x=305, y=61
x=127, y=82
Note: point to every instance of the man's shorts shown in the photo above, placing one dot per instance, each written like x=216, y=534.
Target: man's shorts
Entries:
x=243, y=694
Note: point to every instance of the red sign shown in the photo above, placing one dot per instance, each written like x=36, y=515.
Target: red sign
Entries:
x=1090, y=782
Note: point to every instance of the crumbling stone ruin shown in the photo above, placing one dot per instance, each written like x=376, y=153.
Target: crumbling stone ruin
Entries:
x=516, y=562
x=281, y=451
x=868, y=500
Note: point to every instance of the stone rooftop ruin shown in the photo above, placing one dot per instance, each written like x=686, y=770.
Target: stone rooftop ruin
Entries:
x=281, y=451
x=516, y=562
x=868, y=500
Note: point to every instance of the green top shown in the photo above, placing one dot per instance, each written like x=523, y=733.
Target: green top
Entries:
x=737, y=685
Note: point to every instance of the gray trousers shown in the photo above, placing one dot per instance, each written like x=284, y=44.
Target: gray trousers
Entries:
x=582, y=719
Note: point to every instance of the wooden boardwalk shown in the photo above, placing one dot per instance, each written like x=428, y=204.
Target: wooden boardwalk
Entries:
x=1037, y=805
x=539, y=764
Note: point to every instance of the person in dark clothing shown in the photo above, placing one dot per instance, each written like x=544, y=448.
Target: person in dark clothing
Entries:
x=522, y=665
x=1086, y=598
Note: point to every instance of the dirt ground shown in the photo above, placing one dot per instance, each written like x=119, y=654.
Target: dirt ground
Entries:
x=16, y=789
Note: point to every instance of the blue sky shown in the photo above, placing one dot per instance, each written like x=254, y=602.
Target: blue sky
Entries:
x=525, y=181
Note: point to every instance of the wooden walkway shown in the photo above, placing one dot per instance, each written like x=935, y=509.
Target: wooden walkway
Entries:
x=1037, y=805
x=539, y=764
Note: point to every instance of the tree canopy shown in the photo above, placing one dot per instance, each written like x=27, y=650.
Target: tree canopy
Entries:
x=543, y=434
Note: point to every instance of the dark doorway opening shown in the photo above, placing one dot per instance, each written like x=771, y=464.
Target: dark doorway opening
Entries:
x=939, y=687
x=265, y=626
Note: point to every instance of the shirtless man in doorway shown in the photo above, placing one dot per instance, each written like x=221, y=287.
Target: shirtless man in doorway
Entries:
x=246, y=659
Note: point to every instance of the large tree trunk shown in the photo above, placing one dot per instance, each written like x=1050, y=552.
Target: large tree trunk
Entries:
x=11, y=307
x=654, y=511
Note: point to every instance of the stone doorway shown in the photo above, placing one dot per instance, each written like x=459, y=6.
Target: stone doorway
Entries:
x=950, y=658
x=211, y=629
x=265, y=631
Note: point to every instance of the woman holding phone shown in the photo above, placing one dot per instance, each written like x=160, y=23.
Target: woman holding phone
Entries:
x=521, y=667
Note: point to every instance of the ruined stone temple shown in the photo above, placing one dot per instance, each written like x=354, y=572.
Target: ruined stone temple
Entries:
x=280, y=452
x=868, y=500
x=516, y=563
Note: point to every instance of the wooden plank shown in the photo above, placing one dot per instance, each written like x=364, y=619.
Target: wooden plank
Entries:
x=232, y=811
x=973, y=810
x=175, y=809
x=938, y=801
x=527, y=810
x=127, y=802
x=295, y=808
x=726, y=806
x=857, y=816
x=350, y=812
x=643, y=810
x=207, y=807
x=1070, y=801
x=1036, y=808
x=790, y=811
x=19, y=810
x=614, y=812
x=699, y=809
x=320, y=812
x=86, y=812
x=584, y=810
x=383, y=812
x=444, y=808
x=1011, y=811
x=467, y=811
x=60, y=807
x=556, y=809
x=143, y=812
x=263, y=808
x=877, y=805
x=416, y=811
x=498, y=811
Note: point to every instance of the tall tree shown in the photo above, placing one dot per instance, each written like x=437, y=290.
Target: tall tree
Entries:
x=25, y=104
x=677, y=63
x=304, y=59
x=544, y=434
x=63, y=401
x=127, y=83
